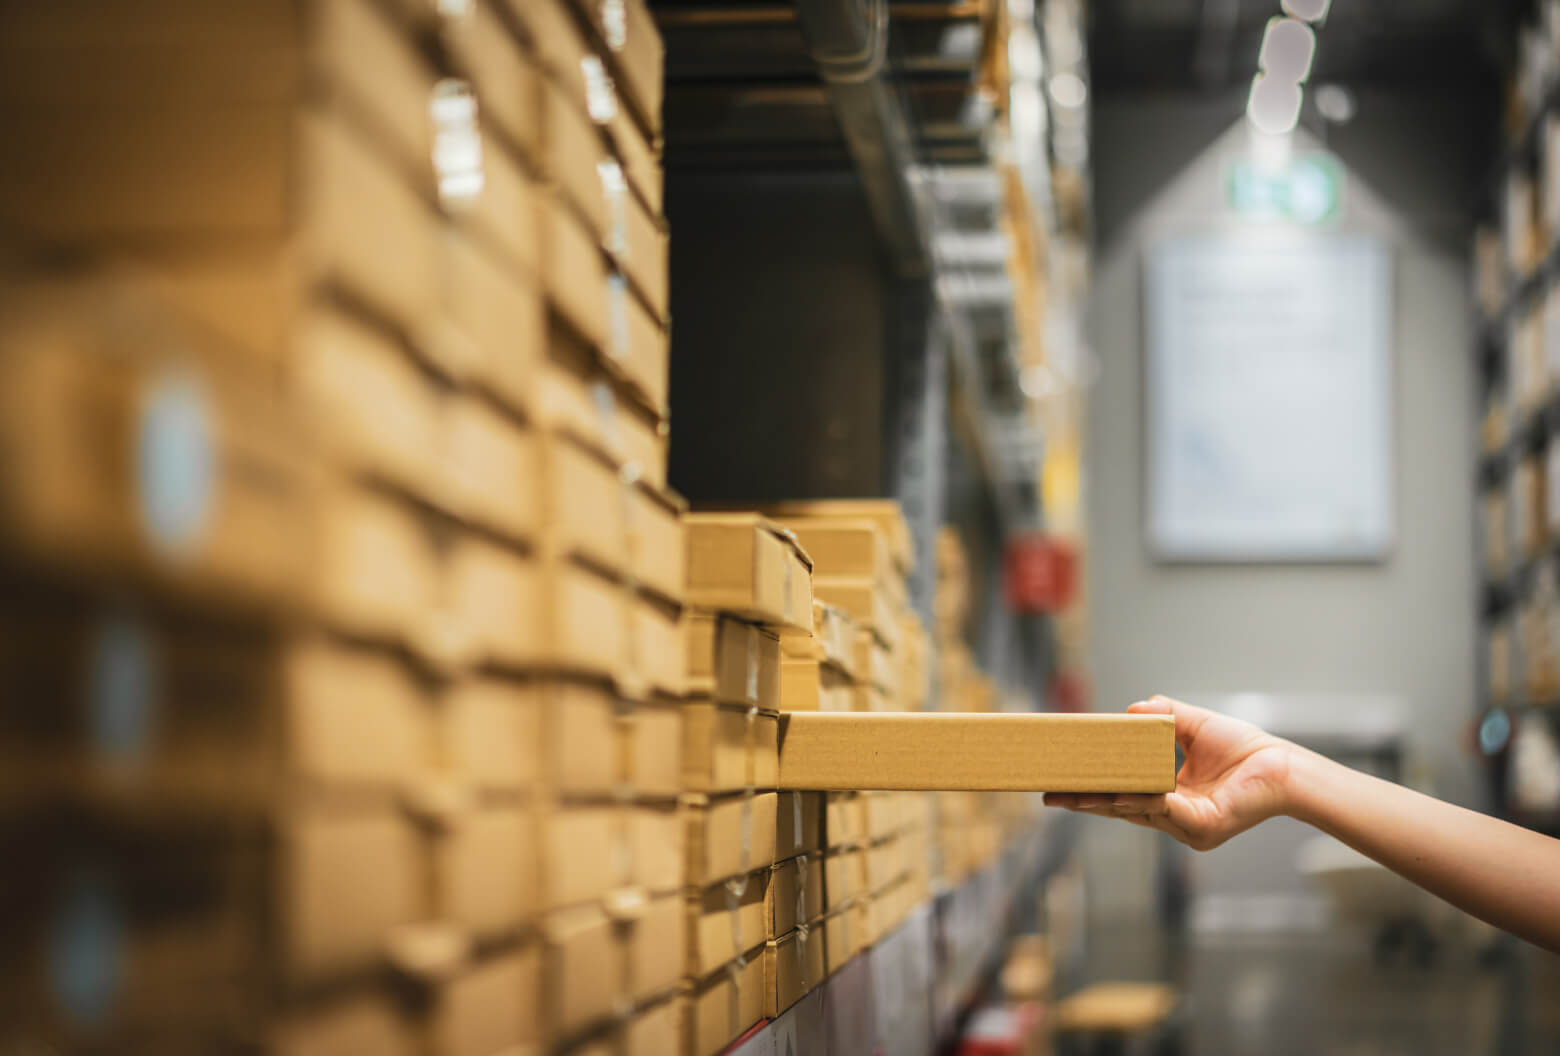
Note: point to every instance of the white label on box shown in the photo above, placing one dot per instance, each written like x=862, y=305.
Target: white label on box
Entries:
x=176, y=467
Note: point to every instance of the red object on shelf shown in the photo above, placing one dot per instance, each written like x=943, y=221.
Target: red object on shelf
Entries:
x=1003, y=1030
x=1041, y=573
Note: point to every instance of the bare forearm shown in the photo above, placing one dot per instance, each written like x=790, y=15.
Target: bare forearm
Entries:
x=1496, y=871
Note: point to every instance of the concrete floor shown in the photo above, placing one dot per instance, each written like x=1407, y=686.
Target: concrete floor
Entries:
x=1320, y=993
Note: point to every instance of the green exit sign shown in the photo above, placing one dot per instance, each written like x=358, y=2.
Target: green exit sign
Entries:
x=1306, y=190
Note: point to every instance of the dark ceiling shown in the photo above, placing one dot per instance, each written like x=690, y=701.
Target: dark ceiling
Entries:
x=1171, y=46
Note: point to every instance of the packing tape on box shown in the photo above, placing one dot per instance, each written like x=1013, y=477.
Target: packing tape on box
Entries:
x=606, y=414
x=614, y=188
x=454, y=9
x=745, y=840
x=734, y=995
x=796, y=819
x=803, y=932
x=618, y=339
x=752, y=665
x=750, y=740
x=457, y=144
x=614, y=23
x=735, y=889
x=623, y=852
x=177, y=468
x=801, y=889
x=600, y=95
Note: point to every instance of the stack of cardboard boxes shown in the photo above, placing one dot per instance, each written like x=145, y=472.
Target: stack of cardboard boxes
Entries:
x=751, y=888
x=342, y=563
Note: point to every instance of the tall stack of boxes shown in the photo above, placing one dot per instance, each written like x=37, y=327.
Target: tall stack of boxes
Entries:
x=345, y=570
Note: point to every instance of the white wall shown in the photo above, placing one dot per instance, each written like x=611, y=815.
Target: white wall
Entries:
x=1404, y=626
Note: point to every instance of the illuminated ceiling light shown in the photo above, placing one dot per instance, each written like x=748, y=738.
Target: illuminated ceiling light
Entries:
x=1068, y=90
x=1335, y=103
x=1288, y=47
x=1310, y=10
x=1274, y=104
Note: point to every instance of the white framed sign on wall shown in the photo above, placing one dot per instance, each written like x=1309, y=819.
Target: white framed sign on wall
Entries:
x=1268, y=384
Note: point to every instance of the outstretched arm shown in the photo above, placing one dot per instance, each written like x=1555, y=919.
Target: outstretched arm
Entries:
x=1236, y=776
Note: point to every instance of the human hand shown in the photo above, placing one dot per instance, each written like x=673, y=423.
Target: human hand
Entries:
x=1235, y=776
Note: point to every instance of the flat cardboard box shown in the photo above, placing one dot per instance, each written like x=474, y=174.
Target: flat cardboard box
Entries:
x=657, y=653
x=485, y=454
x=845, y=935
x=349, y=881
x=793, y=965
x=845, y=549
x=641, y=160
x=377, y=576
x=491, y=323
x=655, y=752
x=729, y=837
x=743, y=565
x=800, y=824
x=586, y=852
x=733, y=661
x=639, y=344
x=886, y=863
x=492, y=1005
x=561, y=46
x=717, y=748
x=638, y=246
x=634, y=45
x=812, y=685
x=589, y=626
x=795, y=894
x=657, y=942
x=507, y=84
x=355, y=716
x=575, y=276
x=844, y=877
x=875, y=664
x=885, y=512
x=1031, y=752
x=660, y=853
x=846, y=819
x=487, y=882
x=584, y=971
x=724, y=1005
x=492, y=733
x=726, y=920
x=494, y=601
x=868, y=604
x=570, y=155
x=585, y=504
x=580, y=738
x=656, y=1031
x=656, y=548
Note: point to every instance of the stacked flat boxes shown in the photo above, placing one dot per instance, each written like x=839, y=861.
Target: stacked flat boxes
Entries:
x=344, y=579
x=878, y=865
x=752, y=864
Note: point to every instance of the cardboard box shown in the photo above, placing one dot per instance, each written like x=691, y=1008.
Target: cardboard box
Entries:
x=729, y=837
x=845, y=935
x=492, y=732
x=580, y=739
x=656, y=650
x=656, y=1031
x=795, y=895
x=354, y=715
x=810, y=685
x=886, y=513
x=637, y=55
x=766, y=752
x=349, y=881
x=494, y=601
x=745, y=566
x=574, y=393
x=725, y=921
x=491, y=323
x=492, y=1005
x=657, y=947
x=641, y=160
x=846, y=819
x=724, y=1005
x=845, y=549
x=588, y=633
x=129, y=447
x=886, y=863
x=575, y=278
x=508, y=216
x=570, y=155
x=844, y=877
x=717, y=748
x=585, y=504
x=869, y=605
x=584, y=971
x=655, y=754
x=800, y=820
x=875, y=664
x=377, y=574
x=561, y=47
x=1030, y=752
x=638, y=246
x=659, y=848
x=1115, y=1008
x=485, y=454
x=639, y=345
x=487, y=882
x=508, y=85
x=733, y=661
x=586, y=853
x=793, y=965
x=656, y=548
